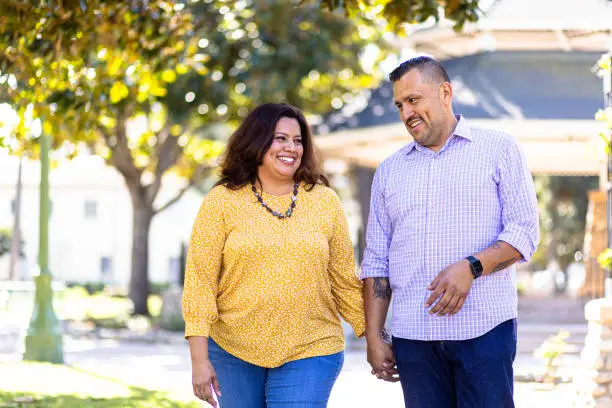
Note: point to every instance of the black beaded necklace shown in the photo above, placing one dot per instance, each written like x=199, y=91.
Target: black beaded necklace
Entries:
x=280, y=215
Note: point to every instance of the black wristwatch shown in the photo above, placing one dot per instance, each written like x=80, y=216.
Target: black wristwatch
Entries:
x=476, y=266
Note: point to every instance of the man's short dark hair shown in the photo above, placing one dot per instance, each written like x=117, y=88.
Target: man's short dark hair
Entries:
x=427, y=66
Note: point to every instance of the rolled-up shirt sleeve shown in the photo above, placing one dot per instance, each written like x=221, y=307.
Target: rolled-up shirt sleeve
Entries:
x=378, y=234
x=520, y=223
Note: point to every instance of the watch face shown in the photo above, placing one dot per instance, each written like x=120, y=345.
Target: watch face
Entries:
x=476, y=266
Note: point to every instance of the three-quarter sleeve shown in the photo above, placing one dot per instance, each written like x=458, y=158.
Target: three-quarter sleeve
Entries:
x=346, y=287
x=204, y=259
x=518, y=201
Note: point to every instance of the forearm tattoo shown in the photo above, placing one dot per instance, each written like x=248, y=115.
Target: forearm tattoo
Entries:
x=496, y=245
x=382, y=288
x=503, y=264
x=385, y=335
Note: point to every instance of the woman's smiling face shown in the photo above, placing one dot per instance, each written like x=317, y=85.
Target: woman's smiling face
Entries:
x=284, y=156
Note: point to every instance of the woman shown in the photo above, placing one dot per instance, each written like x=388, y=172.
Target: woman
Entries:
x=270, y=268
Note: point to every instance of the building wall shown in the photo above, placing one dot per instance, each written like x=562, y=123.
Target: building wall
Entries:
x=84, y=245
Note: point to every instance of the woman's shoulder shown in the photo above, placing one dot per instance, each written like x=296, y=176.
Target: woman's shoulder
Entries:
x=324, y=193
x=221, y=193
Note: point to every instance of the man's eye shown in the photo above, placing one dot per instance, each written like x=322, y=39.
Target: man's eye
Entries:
x=412, y=100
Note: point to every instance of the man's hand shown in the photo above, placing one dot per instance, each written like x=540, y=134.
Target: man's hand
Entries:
x=381, y=358
x=450, y=288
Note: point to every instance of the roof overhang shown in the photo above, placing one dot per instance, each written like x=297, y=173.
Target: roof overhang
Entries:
x=553, y=147
x=444, y=43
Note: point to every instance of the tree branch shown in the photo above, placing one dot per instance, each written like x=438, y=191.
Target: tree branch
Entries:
x=177, y=197
x=19, y=6
x=196, y=177
x=121, y=156
x=168, y=151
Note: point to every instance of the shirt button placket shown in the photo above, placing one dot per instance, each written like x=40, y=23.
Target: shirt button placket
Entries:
x=432, y=181
x=430, y=205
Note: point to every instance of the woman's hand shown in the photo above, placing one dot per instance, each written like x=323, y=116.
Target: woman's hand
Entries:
x=381, y=358
x=204, y=380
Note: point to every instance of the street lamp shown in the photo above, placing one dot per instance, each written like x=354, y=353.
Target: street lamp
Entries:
x=43, y=341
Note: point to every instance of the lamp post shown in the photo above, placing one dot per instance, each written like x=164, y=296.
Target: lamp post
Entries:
x=43, y=341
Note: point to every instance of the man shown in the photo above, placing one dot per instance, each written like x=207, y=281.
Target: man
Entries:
x=450, y=215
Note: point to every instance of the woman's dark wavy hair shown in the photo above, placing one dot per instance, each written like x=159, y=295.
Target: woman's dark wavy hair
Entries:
x=249, y=143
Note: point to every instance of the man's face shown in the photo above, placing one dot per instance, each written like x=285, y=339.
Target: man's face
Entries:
x=424, y=107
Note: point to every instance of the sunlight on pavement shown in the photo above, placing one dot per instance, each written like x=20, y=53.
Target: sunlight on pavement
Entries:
x=166, y=368
x=49, y=379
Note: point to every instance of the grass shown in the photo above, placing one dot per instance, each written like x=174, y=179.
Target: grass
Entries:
x=39, y=385
x=77, y=305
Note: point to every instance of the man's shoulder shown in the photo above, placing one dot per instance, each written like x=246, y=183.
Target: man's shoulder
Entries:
x=491, y=136
x=395, y=158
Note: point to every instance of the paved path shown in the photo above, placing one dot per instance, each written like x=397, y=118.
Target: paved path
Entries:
x=166, y=366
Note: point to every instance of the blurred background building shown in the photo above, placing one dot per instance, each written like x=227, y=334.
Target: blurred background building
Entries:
x=91, y=223
x=529, y=74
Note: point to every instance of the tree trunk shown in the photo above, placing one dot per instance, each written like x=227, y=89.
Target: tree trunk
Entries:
x=139, y=279
x=16, y=234
x=143, y=195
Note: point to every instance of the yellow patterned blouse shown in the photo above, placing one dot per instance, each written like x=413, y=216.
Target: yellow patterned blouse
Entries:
x=269, y=291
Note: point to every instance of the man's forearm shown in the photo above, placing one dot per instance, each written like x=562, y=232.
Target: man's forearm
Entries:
x=498, y=256
x=377, y=295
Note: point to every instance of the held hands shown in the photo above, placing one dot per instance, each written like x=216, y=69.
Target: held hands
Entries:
x=450, y=288
x=202, y=377
x=381, y=358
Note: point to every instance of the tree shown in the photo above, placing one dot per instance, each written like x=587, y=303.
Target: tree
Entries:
x=16, y=238
x=180, y=71
x=91, y=72
x=563, y=206
x=397, y=12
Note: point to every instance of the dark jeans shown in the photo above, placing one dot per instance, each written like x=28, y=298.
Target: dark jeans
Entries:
x=475, y=373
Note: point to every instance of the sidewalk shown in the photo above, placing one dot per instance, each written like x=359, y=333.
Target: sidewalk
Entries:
x=166, y=367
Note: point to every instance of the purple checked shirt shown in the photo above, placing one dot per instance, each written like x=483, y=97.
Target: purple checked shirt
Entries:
x=429, y=210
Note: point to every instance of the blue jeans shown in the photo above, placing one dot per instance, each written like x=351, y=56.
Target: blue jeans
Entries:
x=475, y=373
x=304, y=383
